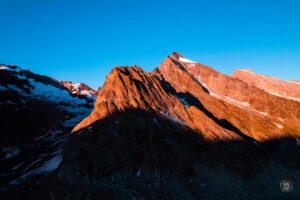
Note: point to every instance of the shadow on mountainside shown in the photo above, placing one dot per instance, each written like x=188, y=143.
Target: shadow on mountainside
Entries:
x=143, y=154
x=193, y=101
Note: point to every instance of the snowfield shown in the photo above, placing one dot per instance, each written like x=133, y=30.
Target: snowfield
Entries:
x=286, y=97
x=185, y=60
x=173, y=119
x=11, y=151
x=53, y=94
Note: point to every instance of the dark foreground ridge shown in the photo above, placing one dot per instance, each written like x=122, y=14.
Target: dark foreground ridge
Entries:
x=141, y=154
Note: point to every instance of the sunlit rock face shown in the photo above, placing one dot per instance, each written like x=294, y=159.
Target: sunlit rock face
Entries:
x=132, y=88
x=272, y=85
x=282, y=112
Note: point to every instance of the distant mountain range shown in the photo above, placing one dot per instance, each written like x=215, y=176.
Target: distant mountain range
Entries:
x=182, y=131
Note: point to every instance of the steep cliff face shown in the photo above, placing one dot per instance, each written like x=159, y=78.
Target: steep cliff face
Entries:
x=132, y=88
x=249, y=99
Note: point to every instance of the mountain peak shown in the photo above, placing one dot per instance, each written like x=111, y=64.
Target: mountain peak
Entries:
x=179, y=58
x=176, y=55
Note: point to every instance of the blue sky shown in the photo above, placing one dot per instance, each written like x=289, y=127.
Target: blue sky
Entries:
x=81, y=41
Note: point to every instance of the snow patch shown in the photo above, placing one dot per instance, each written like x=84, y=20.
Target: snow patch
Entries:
x=280, y=119
x=3, y=68
x=32, y=164
x=278, y=125
x=3, y=88
x=50, y=135
x=87, y=93
x=17, y=69
x=79, y=117
x=185, y=60
x=14, y=87
x=286, y=97
x=21, y=77
x=11, y=151
x=191, y=65
x=52, y=164
x=138, y=172
x=156, y=122
x=53, y=94
x=47, y=167
x=298, y=83
x=243, y=105
x=263, y=113
x=17, y=166
x=173, y=119
x=238, y=102
x=76, y=88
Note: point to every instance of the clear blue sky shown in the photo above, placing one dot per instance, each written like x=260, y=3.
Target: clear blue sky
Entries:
x=81, y=41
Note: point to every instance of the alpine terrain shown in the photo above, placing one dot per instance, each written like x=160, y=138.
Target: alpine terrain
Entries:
x=182, y=131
